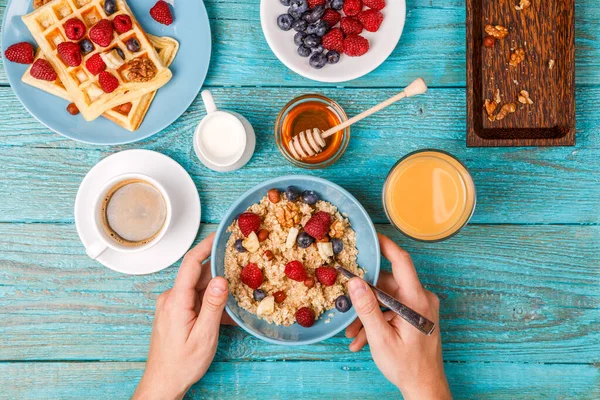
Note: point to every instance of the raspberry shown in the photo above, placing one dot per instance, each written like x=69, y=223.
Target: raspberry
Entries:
x=295, y=271
x=334, y=40
x=318, y=225
x=162, y=13
x=351, y=26
x=251, y=276
x=314, y=3
x=102, y=33
x=21, y=53
x=371, y=20
x=70, y=53
x=332, y=17
x=75, y=28
x=375, y=4
x=352, y=7
x=356, y=45
x=305, y=317
x=248, y=222
x=107, y=82
x=326, y=275
x=41, y=69
x=95, y=64
x=122, y=23
x=280, y=296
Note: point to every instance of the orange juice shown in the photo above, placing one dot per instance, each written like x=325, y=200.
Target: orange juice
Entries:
x=429, y=195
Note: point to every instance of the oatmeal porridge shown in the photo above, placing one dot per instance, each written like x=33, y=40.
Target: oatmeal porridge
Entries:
x=280, y=258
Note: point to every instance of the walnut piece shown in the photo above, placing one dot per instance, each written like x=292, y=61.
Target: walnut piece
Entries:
x=517, y=57
x=497, y=98
x=498, y=31
x=524, y=97
x=140, y=70
x=337, y=229
x=506, y=109
x=288, y=215
x=551, y=64
x=490, y=107
x=523, y=4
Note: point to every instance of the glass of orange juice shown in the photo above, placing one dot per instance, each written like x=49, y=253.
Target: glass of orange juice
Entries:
x=429, y=195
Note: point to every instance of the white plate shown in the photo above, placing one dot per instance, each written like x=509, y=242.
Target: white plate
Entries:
x=183, y=194
x=382, y=43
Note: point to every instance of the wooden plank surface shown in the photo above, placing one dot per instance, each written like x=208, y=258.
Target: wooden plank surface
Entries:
x=433, y=45
x=521, y=185
x=258, y=380
x=500, y=303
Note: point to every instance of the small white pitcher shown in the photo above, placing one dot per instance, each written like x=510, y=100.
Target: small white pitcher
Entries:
x=224, y=140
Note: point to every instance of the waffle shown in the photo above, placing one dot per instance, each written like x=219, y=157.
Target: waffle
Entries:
x=167, y=50
x=46, y=26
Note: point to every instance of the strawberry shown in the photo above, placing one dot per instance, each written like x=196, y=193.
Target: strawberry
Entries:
x=107, y=82
x=251, y=276
x=375, y=4
x=351, y=26
x=305, y=317
x=334, y=40
x=162, y=13
x=21, y=53
x=332, y=17
x=371, y=20
x=75, y=28
x=102, y=33
x=41, y=69
x=95, y=64
x=280, y=296
x=314, y=3
x=352, y=7
x=355, y=45
x=248, y=222
x=122, y=23
x=70, y=53
x=295, y=271
x=318, y=225
x=326, y=275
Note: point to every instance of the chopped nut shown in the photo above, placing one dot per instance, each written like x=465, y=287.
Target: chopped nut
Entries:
x=524, y=97
x=498, y=31
x=489, y=41
x=325, y=250
x=337, y=229
x=268, y=255
x=523, y=4
x=551, y=64
x=263, y=234
x=517, y=57
x=125, y=108
x=490, y=106
x=274, y=196
x=72, y=109
x=291, y=238
x=266, y=306
x=140, y=70
x=251, y=243
x=505, y=110
x=289, y=215
x=497, y=98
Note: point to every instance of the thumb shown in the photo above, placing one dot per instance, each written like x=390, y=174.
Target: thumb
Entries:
x=367, y=308
x=213, y=303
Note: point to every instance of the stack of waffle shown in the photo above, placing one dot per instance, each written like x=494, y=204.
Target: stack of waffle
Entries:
x=128, y=104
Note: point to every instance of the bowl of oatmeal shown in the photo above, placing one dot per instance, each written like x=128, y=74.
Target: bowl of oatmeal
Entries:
x=278, y=247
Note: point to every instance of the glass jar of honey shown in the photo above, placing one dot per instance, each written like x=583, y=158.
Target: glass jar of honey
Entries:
x=308, y=112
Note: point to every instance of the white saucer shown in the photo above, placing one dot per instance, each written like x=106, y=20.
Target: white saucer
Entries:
x=186, y=209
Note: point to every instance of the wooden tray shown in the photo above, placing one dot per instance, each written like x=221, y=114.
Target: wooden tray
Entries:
x=546, y=31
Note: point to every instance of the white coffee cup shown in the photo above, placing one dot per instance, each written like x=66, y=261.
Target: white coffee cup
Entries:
x=224, y=140
x=104, y=241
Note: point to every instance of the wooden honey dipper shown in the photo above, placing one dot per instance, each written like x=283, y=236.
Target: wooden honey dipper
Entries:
x=310, y=142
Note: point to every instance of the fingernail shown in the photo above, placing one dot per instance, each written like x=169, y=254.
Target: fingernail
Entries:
x=218, y=286
x=357, y=287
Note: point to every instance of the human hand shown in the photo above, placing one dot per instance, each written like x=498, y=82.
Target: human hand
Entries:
x=409, y=359
x=185, y=332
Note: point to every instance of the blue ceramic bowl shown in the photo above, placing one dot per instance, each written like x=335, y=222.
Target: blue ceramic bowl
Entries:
x=368, y=258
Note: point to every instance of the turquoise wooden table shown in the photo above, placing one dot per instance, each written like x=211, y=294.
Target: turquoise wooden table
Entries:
x=520, y=286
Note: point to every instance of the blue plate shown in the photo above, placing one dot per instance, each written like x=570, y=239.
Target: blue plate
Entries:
x=369, y=258
x=191, y=28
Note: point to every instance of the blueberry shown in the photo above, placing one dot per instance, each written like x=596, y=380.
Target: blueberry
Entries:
x=338, y=246
x=239, y=246
x=291, y=193
x=318, y=60
x=333, y=57
x=304, y=240
x=318, y=49
x=321, y=28
x=120, y=52
x=299, y=25
x=299, y=38
x=316, y=13
x=312, y=41
x=309, y=197
x=304, y=51
x=285, y=2
x=110, y=7
x=284, y=22
x=133, y=45
x=343, y=303
x=311, y=29
x=259, y=294
x=337, y=4
x=294, y=14
x=301, y=6
x=86, y=46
